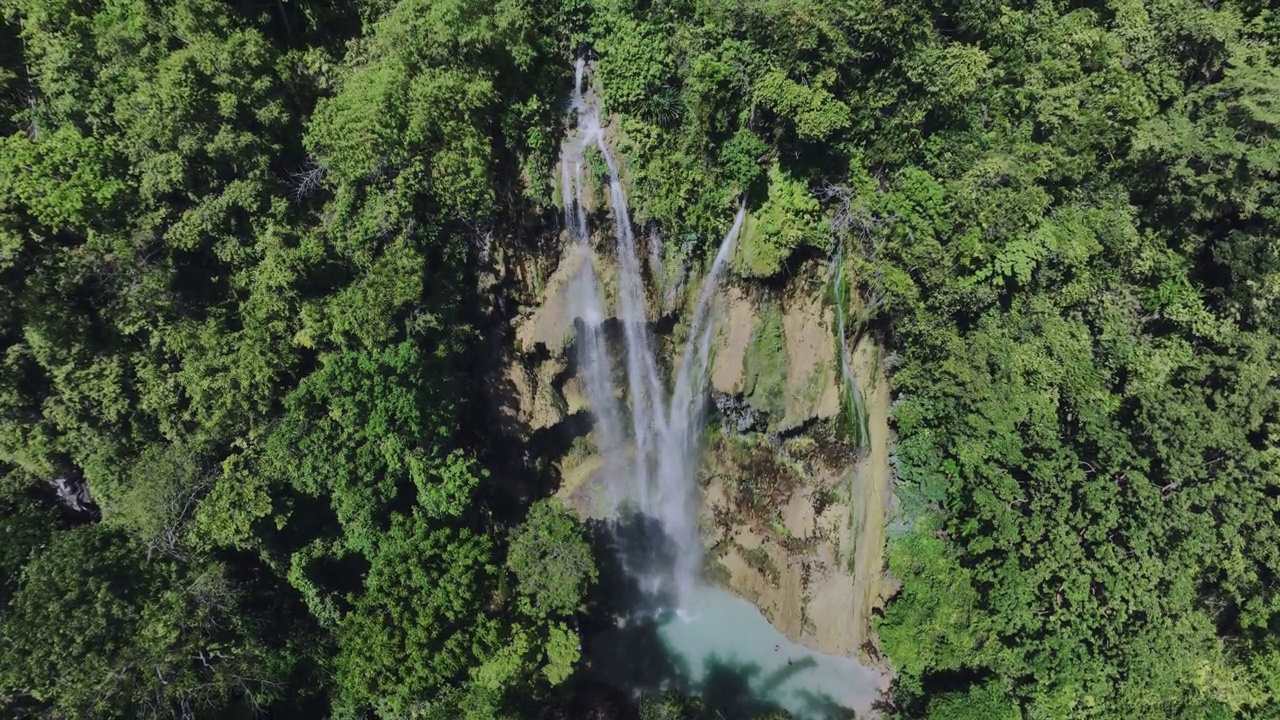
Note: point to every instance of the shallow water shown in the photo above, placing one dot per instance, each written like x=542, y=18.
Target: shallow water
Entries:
x=719, y=646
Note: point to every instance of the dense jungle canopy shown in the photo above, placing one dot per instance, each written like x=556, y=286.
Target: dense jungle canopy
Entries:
x=239, y=243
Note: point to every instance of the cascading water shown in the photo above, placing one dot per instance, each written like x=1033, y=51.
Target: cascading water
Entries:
x=660, y=459
x=648, y=440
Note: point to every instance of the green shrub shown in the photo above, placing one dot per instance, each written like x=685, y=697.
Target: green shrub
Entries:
x=789, y=217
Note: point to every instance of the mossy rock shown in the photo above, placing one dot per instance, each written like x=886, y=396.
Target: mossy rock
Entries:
x=789, y=217
x=765, y=366
x=595, y=179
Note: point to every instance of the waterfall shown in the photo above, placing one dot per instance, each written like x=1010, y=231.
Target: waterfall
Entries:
x=653, y=467
x=649, y=415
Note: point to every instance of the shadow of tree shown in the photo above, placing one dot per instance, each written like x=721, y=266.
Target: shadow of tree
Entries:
x=727, y=687
x=782, y=675
x=820, y=705
x=625, y=647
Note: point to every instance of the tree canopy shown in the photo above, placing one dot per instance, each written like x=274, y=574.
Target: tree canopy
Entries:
x=234, y=243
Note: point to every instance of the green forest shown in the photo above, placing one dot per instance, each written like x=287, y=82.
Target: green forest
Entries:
x=239, y=308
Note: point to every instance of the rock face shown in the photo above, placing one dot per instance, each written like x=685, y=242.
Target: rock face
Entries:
x=738, y=322
x=549, y=323
x=796, y=527
x=796, y=517
x=538, y=405
x=812, y=387
x=779, y=353
x=534, y=389
x=776, y=525
x=872, y=489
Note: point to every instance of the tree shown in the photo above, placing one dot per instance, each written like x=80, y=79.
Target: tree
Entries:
x=234, y=245
x=424, y=599
x=91, y=631
x=363, y=429
x=981, y=702
x=551, y=559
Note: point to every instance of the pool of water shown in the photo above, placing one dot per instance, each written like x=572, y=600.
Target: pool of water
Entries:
x=722, y=648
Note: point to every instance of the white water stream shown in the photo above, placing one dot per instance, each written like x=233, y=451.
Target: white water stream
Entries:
x=648, y=438
x=660, y=454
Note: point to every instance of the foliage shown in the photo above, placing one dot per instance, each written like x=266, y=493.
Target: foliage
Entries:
x=360, y=430
x=988, y=701
x=849, y=325
x=551, y=559
x=758, y=559
x=1064, y=213
x=422, y=599
x=1084, y=467
x=235, y=241
x=789, y=217
x=25, y=524
x=671, y=705
x=813, y=110
x=91, y=632
x=935, y=624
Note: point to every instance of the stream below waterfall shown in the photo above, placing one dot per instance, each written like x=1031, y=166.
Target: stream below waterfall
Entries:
x=672, y=631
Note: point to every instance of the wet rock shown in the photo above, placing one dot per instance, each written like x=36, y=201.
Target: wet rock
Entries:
x=779, y=351
x=526, y=397
x=736, y=414
x=73, y=494
x=550, y=322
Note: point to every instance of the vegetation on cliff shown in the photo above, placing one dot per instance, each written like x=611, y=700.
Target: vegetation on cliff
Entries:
x=238, y=247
